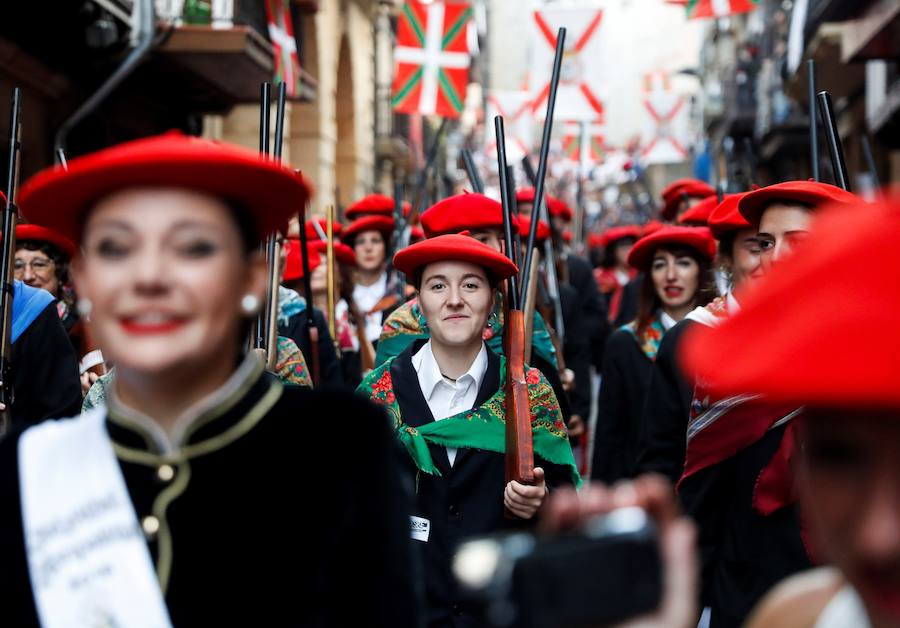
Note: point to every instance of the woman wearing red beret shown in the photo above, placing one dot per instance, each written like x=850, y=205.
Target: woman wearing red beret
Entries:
x=736, y=479
x=176, y=503
x=446, y=400
x=676, y=265
x=614, y=272
x=47, y=341
x=845, y=458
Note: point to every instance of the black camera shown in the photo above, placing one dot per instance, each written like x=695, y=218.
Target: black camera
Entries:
x=607, y=571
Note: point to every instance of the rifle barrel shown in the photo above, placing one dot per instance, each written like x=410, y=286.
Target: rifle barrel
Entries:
x=503, y=171
x=6, y=260
x=545, y=150
x=472, y=172
x=833, y=137
x=813, y=123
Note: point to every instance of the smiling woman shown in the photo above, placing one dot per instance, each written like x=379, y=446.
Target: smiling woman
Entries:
x=186, y=469
x=446, y=398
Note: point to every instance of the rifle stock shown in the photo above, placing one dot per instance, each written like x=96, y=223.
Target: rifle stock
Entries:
x=519, y=456
x=519, y=442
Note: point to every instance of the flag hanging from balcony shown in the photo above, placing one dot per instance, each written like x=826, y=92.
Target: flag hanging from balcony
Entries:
x=281, y=34
x=718, y=8
x=431, y=59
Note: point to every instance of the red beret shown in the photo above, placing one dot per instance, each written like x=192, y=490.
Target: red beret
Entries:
x=558, y=209
x=416, y=234
x=543, y=229
x=371, y=205
x=453, y=246
x=525, y=195
x=814, y=193
x=383, y=224
x=42, y=234
x=293, y=266
x=270, y=193
x=698, y=238
x=698, y=215
x=726, y=218
x=555, y=206
x=595, y=241
x=463, y=212
x=617, y=233
x=313, y=234
x=342, y=253
x=776, y=345
x=651, y=226
x=673, y=193
x=567, y=236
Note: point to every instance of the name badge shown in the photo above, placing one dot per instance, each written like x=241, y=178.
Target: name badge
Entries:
x=419, y=529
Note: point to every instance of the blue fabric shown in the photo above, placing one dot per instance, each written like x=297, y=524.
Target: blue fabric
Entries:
x=27, y=304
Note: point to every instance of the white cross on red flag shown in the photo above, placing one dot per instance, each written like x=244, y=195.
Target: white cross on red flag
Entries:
x=581, y=72
x=281, y=33
x=431, y=58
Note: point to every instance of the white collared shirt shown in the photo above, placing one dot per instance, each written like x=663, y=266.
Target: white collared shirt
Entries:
x=445, y=398
x=667, y=321
x=366, y=297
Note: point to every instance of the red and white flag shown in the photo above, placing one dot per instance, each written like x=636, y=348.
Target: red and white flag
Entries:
x=281, y=33
x=431, y=58
x=518, y=123
x=666, y=129
x=582, y=73
x=718, y=8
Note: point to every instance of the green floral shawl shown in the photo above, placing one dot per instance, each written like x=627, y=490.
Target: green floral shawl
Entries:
x=406, y=324
x=483, y=428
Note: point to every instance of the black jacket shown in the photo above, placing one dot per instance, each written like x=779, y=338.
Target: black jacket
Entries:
x=44, y=367
x=666, y=411
x=465, y=500
x=623, y=387
x=300, y=521
x=743, y=553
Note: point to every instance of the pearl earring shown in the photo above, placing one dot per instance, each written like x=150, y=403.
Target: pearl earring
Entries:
x=84, y=307
x=250, y=304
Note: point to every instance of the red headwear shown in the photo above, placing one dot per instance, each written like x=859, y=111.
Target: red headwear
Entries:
x=811, y=193
x=453, y=247
x=617, y=233
x=698, y=238
x=853, y=252
x=675, y=191
x=698, y=215
x=382, y=224
x=463, y=212
x=313, y=234
x=370, y=205
x=268, y=192
x=42, y=234
x=543, y=229
x=726, y=218
x=293, y=265
x=556, y=207
x=651, y=226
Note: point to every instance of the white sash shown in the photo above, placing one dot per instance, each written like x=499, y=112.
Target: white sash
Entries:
x=88, y=560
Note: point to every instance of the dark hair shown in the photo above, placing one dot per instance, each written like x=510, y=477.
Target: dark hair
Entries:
x=609, y=251
x=60, y=261
x=649, y=302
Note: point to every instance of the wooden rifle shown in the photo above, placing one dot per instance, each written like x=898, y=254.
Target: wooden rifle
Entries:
x=7, y=263
x=259, y=327
x=519, y=441
x=330, y=278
